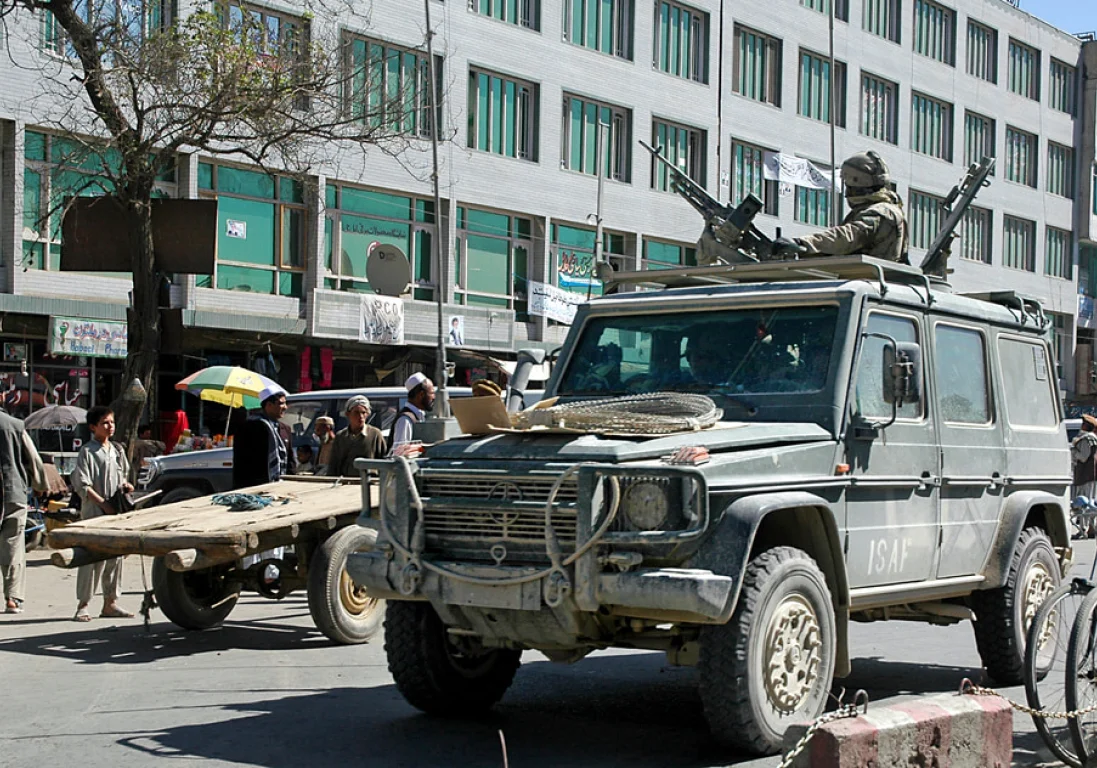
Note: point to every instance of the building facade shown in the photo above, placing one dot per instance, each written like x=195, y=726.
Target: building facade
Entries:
x=526, y=84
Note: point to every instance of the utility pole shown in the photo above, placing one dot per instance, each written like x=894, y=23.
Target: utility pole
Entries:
x=833, y=206
x=600, y=144
x=441, y=408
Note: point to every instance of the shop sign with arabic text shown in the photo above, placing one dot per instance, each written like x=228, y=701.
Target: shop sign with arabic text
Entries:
x=88, y=338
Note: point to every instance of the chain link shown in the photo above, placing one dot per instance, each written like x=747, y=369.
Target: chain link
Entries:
x=859, y=706
x=968, y=687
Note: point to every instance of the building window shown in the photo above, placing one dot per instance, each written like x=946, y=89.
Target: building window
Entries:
x=1019, y=243
x=748, y=176
x=879, y=108
x=683, y=147
x=260, y=231
x=1058, y=253
x=815, y=84
x=572, y=258
x=982, y=51
x=841, y=7
x=1024, y=70
x=660, y=255
x=976, y=235
x=813, y=206
x=502, y=115
x=1020, y=156
x=493, y=259
x=580, y=138
x=1062, y=84
x=1060, y=170
x=883, y=18
x=979, y=138
x=132, y=22
x=355, y=218
x=273, y=33
x=925, y=218
x=389, y=86
x=935, y=31
x=681, y=41
x=931, y=127
x=602, y=25
x=523, y=13
x=756, y=68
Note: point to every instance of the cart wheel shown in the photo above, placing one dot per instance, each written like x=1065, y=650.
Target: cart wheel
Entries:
x=194, y=599
x=343, y=612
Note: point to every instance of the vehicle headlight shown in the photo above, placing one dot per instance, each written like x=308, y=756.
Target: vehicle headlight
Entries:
x=646, y=504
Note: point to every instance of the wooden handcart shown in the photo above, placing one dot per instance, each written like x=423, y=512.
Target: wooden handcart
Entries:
x=206, y=554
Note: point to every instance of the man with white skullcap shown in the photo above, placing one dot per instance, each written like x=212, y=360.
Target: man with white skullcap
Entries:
x=420, y=400
x=358, y=440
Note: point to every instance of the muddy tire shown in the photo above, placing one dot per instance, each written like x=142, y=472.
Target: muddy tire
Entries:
x=1003, y=615
x=180, y=493
x=344, y=613
x=771, y=665
x=194, y=599
x=438, y=675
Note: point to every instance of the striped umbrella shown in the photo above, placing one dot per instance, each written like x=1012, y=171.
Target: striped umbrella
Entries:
x=230, y=385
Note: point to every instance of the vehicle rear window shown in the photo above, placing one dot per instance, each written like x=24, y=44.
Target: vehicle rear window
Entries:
x=1026, y=380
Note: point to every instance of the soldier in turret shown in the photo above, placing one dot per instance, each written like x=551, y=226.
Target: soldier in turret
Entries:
x=875, y=226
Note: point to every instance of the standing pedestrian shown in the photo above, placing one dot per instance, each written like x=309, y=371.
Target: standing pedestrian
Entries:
x=101, y=471
x=358, y=440
x=20, y=466
x=1083, y=452
x=261, y=452
x=323, y=438
x=420, y=401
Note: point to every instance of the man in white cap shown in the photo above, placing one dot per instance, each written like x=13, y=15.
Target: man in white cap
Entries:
x=420, y=400
x=358, y=440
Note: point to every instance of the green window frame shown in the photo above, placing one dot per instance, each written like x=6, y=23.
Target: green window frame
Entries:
x=1024, y=70
x=1058, y=253
x=931, y=126
x=879, y=108
x=579, y=144
x=748, y=176
x=812, y=206
x=976, y=235
x=683, y=147
x=1060, y=170
x=1018, y=243
x=132, y=22
x=388, y=86
x=521, y=13
x=982, y=51
x=502, y=115
x=935, y=31
x=815, y=88
x=605, y=26
x=493, y=255
x=273, y=32
x=841, y=8
x=660, y=254
x=883, y=18
x=1021, y=159
x=924, y=217
x=756, y=66
x=261, y=230
x=572, y=261
x=1062, y=87
x=680, y=45
x=979, y=137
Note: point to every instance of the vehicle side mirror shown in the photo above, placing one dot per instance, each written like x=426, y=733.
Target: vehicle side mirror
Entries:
x=902, y=373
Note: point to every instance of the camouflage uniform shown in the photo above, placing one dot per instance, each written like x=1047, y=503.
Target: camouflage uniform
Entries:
x=875, y=226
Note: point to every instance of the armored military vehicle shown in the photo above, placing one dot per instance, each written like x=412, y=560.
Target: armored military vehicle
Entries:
x=880, y=447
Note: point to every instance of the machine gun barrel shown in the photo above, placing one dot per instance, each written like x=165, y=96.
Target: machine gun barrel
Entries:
x=957, y=203
x=694, y=193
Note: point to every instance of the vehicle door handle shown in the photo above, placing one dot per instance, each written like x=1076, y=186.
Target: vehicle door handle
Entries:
x=930, y=480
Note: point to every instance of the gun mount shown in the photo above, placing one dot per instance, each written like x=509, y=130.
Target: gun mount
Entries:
x=955, y=205
x=730, y=236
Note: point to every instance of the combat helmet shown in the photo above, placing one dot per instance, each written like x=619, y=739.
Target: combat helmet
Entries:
x=865, y=170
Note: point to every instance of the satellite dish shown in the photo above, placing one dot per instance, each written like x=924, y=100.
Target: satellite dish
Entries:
x=388, y=270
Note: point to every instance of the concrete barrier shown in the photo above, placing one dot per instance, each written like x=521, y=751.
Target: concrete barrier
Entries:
x=945, y=731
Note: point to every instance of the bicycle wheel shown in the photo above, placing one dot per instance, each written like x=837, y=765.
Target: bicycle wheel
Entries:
x=1046, y=654
x=1081, y=678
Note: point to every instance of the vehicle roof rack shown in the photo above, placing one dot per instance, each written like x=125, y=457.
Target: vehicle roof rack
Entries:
x=812, y=268
x=1026, y=305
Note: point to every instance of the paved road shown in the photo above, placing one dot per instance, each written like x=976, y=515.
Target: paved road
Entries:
x=268, y=690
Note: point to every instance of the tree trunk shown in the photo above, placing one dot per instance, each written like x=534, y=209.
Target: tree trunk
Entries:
x=144, y=318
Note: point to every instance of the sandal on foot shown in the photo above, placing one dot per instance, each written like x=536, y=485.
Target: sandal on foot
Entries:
x=114, y=612
x=14, y=605
x=82, y=615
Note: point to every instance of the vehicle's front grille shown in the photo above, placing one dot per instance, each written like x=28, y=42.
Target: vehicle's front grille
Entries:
x=501, y=489
x=143, y=476
x=500, y=524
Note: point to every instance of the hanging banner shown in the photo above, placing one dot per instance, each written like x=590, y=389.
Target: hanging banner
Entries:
x=382, y=320
x=789, y=169
x=553, y=303
x=88, y=338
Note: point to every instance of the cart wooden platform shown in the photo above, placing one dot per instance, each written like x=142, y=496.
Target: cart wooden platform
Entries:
x=206, y=554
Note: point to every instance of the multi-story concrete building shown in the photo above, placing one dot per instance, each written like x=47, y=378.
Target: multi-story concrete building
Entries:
x=930, y=85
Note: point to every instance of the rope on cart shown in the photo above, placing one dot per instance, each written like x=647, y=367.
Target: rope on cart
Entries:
x=242, y=502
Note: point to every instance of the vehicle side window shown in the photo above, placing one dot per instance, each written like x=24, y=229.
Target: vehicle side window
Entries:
x=962, y=375
x=870, y=401
x=1026, y=381
x=384, y=413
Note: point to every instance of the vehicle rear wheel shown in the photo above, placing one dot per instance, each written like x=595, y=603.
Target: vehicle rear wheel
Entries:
x=771, y=665
x=441, y=674
x=1003, y=615
x=194, y=599
x=341, y=610
x=181, y=493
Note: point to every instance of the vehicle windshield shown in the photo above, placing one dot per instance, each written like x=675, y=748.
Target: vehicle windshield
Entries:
x=717, y=352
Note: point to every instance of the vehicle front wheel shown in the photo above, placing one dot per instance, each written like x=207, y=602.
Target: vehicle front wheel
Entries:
x=180, y=493
x=438, y=673
x=343, y=611
x=771, y=665
x=194, y=599
x=1003, y=615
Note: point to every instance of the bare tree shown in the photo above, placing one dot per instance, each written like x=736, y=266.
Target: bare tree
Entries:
x=137, y=88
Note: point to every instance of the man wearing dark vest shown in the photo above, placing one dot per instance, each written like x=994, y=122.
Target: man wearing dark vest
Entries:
x=20, y=467
x=261, y=450
x=420, y=401
x=1083, y=452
